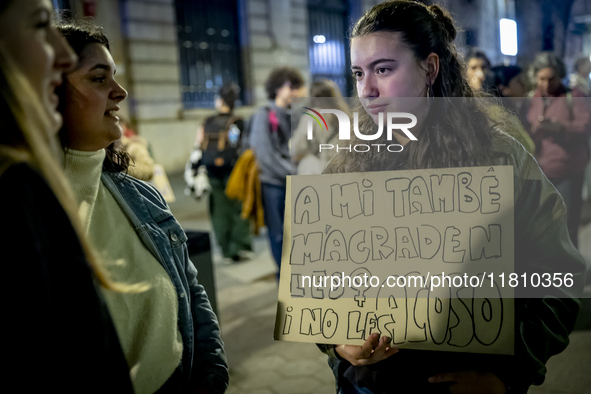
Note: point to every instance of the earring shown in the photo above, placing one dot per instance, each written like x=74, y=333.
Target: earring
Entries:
x=428, y=90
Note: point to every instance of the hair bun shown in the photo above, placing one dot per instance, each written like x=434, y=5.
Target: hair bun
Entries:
x=444, y=20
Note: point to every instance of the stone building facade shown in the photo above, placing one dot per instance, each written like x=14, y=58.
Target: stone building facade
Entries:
x=145, y=44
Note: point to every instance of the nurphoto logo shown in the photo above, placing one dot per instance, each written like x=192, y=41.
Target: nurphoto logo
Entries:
x=344, y=131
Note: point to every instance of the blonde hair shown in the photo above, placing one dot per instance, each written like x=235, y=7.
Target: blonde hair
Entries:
x=28, y=139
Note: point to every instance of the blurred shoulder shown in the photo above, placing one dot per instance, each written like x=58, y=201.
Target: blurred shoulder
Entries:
x=507, y=150
x=19, y=178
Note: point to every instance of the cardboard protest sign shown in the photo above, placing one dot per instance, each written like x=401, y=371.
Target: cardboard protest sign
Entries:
x=424, y=248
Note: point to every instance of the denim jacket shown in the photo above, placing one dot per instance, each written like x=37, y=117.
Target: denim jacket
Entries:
x=203, y=362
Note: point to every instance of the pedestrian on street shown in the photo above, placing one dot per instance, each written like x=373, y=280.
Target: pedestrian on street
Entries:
x=220, y=141
x=477, y=69
x=270, y=132
x=560, y=127
x=507, y=83
x=580, y=78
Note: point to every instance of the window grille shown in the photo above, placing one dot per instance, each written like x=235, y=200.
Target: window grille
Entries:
x=209, y=49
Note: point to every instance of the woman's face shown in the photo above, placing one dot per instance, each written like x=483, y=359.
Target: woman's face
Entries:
x=585, y=69
x=92, y=98
x=548, y=81
x=386, y=69
x=38, y=50
x=285, y=95
x=515, y=88
x=476, y=72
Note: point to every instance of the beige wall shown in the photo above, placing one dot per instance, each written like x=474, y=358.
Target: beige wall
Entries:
x=277, y=35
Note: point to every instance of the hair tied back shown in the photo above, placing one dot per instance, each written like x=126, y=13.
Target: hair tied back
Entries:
x=445, y=22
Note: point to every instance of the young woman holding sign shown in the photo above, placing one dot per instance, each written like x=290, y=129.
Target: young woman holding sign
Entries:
x=403, y=49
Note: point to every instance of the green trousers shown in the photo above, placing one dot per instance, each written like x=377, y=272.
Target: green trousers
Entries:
x=231, y=231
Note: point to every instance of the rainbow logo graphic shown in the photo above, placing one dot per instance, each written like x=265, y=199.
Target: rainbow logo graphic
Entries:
x=316, y=119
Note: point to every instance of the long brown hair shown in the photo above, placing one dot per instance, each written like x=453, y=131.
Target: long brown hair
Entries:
x=455, y=132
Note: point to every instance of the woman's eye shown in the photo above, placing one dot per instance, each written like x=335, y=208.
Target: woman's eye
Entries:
x=357, y=74
x=382, y=70
x=42, y=24
x=99, y=79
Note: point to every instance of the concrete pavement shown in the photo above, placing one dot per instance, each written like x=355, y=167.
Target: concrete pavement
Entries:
x=247, y=301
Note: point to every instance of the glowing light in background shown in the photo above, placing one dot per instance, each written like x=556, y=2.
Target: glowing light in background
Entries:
x=508, y=37
x=319, y=39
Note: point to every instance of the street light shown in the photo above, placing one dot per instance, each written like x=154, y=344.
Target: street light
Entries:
x=508, y=37
x=319, y=39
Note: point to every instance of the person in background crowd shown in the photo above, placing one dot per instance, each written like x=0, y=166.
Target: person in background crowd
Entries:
x=59, y=336
x=560, y=129
x=169, y=333
x=580, y=78
x=270, y=132
x=507, y=82
x=406, y=49
x=306, y=153
x=478, y=67
x=138, y=149
x=219, y=139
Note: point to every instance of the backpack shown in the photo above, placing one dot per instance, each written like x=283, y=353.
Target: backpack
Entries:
x=221, y=142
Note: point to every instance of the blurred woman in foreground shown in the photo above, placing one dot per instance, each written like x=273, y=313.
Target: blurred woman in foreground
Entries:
x=58, y=331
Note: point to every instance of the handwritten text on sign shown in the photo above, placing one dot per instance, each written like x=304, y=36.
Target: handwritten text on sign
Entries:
x=410, y=229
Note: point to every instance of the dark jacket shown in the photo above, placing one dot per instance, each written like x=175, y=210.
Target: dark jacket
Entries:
x=58, y=334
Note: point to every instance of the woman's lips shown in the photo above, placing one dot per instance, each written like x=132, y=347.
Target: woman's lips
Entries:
x=114, y=117
x=53, y=97
x=54, y=100
x=376, y=109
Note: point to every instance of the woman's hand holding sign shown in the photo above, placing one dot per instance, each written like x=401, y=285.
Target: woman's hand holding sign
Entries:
x=375, y=349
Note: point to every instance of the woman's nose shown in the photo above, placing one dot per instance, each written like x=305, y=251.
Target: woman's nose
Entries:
x=368, y=88
x=119, y=93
